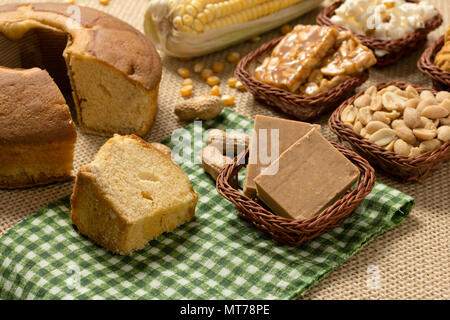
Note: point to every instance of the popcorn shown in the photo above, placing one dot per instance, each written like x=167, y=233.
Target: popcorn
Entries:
x=383, y=19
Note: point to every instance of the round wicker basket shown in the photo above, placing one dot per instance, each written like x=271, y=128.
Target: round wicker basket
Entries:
x=288, y=231
x=302, y=107
x=440, y=78
x=396, y=48
x=405, y=169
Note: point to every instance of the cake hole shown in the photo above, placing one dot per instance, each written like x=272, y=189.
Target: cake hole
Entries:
x=148, y=176
x=147, y=195
x=42, y=48
x=131, y=70
x=104, y=90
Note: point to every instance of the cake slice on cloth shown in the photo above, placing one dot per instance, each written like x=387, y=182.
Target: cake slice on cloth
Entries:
x=130, y=194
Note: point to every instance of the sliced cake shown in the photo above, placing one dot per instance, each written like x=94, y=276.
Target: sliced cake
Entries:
x=114, y=70
x=130, y=194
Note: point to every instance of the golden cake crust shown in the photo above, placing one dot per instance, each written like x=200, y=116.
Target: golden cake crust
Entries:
x=130, y=52
x=32, y=109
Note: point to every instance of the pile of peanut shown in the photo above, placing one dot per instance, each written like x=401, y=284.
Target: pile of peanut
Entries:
x=402, y=121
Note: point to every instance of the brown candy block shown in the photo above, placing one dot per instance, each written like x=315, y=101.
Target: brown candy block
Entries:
x=289, y=131
x=306, y=179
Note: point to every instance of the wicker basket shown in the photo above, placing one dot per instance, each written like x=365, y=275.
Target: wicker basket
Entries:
x=302, y=107
x=396, y=48
x=440, y=78
x=405, y=169
x=288, y=231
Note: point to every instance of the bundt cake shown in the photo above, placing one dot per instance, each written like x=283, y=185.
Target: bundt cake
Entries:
x=37, y=134
x=130, y=194
x=111, y=69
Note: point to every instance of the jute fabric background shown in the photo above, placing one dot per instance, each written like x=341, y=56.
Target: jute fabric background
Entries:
x=409, y=262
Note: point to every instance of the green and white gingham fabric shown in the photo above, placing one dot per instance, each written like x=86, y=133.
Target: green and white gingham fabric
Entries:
x=217, y=256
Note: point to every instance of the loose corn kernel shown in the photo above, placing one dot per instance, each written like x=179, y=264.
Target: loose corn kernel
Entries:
x=186, y=91
x=240, y=86
x=218, y=67
x=233, y=57
x=71, y=2
x=184, y=72
x=104, y=2
x=286, y=29
x=232, y=82
x=198, y=67
x=206, y=73
x=215, y=91
x=228, y=99
x=212, y=80
x=188, y=82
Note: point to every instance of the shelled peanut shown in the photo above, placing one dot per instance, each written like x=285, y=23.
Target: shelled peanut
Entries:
x=402, y=121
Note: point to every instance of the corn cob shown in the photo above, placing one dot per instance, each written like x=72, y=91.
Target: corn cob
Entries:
x=187, y=28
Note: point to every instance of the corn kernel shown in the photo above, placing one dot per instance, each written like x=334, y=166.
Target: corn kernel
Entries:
x=215, y=91
x=212, y=80
x=71, y=2
x=191, y=10
x=188, y=20
x=286, y=29
x=178, y=22
x=228, y=99
x=186, y=30
x=206, y=73
x=182, y=59
x=240, y=86
x=233, y=57
x=188, y=82
x=232, y=82
x=104, y=2
x=186, y=91
x=198, y=25
x=183, y=72
x=198, y=67
x=218, y=67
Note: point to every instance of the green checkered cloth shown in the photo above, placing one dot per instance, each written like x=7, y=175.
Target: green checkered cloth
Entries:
x=216, y=256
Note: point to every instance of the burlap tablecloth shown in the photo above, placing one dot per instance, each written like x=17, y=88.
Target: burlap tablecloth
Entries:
x=409, y=262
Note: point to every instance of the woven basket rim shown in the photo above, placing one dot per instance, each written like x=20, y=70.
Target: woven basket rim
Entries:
x=297, y=227
x=242, y=73
x=427, y=66
x=348, y=134
x=376, y=43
